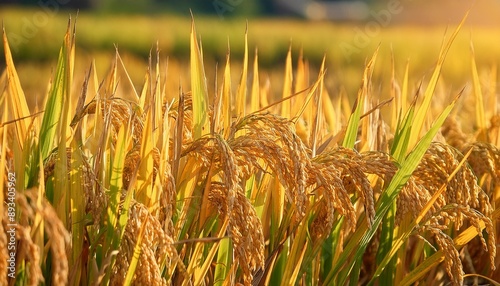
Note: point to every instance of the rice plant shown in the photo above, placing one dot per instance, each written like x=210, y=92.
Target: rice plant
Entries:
x=109, y=184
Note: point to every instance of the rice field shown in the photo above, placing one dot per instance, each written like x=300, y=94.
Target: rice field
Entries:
x=217, y=179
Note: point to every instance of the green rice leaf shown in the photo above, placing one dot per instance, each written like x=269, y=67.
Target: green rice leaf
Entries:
x=363, y=235
x=55, y=102
x=353, y=124
x=423, y=111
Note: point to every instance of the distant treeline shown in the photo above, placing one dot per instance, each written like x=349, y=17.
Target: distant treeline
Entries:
x=210, y=7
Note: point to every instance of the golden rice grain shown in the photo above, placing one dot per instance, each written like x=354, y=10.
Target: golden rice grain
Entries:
x=453, y=133
x=352, y=174
x=58, y=236
x=454, y=213
x=273, y=139
x=330, y=189
x=485, y=162
x=433, y=171
x=156, y=247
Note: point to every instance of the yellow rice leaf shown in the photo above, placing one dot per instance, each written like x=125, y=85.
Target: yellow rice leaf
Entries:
x=38, y=233
x=308, y=98
x=129, y=80
x=301, y=83
x=164, y=151
x=421, y=115
x=186, y=184
x=287, y=85
x=57, y=113
x=255, y=95
x=277, y=202
x=318, y=110
x=493, y=91
x=296, y=255
x=157, y=102
x=493, y=109
x=480, y=117
x=226, y=98
x=145, y=172
x=329, y=111
x=404, y=90
x=77, y=206
x=116, y=180
x=16, y=99
x=241, y=93
x=395, y=93
x=264, y=93
x=112, y=79
x=298, y=265
x=198, y=88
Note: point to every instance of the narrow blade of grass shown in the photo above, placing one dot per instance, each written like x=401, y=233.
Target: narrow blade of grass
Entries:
x=115, y=227
x=145, y=173
x=287, y=85
x=301, y=82
x=255, y=95
x=241, y=92
x=310, y=94
x=478, y=94
x=198, y=88
x=408, y=229
x=318, y=112
x=56, y=100
x=56, y=121
x=361, y=238
x=423, y=111
x=226, y=98
x=353, y=124
x=224, y=261
x=402, y=134
x=116, y=182
x=16, y=99
x=77, y=207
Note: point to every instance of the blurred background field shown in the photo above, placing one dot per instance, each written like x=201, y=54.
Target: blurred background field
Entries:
x=412, y=31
